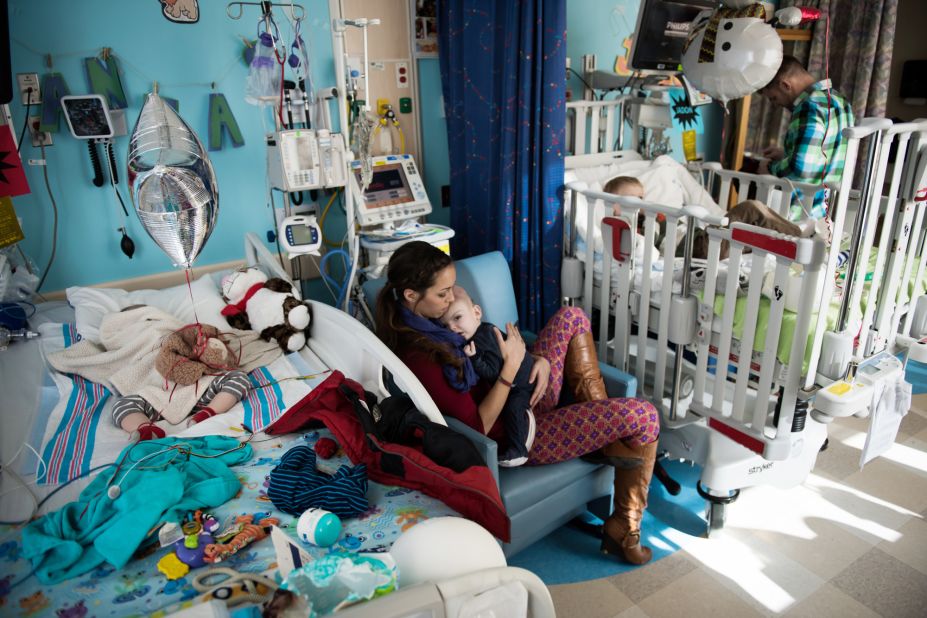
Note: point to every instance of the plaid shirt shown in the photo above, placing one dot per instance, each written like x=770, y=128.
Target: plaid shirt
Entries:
x=811, y=155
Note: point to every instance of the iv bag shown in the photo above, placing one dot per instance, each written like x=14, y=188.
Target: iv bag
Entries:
x=263, y=84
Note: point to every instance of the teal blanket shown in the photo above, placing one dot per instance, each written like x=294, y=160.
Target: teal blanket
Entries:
x=156, y=485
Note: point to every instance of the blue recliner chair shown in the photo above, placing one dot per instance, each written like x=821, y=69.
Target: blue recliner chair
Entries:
x=539, y=499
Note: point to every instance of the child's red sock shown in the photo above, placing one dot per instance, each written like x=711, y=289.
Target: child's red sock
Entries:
x=202, y=415
x=149, y=431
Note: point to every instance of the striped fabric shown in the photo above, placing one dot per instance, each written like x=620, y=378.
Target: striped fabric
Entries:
x=69, y=450
x=296, y=485
x=264, y=403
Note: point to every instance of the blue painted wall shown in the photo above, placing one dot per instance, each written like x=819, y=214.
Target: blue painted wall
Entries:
x=435, y=163
x=184, y=59
x=600, y=27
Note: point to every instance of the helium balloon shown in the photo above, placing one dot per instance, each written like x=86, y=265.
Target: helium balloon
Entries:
x=728, y=57
x=172, y=183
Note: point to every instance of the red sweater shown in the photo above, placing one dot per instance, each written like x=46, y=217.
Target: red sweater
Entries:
x=451, y=402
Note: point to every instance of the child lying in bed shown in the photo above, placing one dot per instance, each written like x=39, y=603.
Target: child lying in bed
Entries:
x=464, y=317
x=141, y=345
x=188, y=355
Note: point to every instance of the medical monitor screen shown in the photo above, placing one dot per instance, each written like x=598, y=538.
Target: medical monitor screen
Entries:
x=302, y=235
x=388, y=186
x=662, y=29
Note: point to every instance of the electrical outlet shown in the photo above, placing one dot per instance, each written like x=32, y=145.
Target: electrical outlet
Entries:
x=39, y=138
x=27, y=81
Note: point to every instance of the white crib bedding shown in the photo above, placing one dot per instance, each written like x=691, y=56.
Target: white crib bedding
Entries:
x=665, y=180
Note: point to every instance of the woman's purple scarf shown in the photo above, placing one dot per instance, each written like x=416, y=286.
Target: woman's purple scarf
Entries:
x=438, y=333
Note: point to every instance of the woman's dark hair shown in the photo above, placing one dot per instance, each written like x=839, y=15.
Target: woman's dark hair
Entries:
x=414, y=266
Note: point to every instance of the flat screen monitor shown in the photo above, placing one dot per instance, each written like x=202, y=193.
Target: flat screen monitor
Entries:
x=388, y=187
x=396, y=191
x=662, y=29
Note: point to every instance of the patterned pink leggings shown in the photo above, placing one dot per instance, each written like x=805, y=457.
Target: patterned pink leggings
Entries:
x=580, y=428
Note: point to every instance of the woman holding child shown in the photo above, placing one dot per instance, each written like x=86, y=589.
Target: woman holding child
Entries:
x=420, y=289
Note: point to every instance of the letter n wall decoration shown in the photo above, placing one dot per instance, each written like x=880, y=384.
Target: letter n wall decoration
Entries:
x=220, y=115
x=103, y=78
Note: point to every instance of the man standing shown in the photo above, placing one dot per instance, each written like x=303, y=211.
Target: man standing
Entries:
x=814, y=149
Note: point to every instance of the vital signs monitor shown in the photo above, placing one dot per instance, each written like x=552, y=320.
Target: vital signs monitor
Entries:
x=396, y=191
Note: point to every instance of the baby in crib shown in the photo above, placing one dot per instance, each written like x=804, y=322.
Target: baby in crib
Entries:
x=187, y=356
x=629, y=186
x=464, y=317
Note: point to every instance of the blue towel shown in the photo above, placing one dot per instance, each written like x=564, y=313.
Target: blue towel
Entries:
x=296, y=485
x=95, y=529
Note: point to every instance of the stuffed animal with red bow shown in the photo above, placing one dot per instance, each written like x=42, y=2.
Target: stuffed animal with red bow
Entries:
x=266, y=305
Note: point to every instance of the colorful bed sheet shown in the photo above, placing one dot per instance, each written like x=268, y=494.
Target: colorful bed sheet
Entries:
x=75, y=439
x=140, y=589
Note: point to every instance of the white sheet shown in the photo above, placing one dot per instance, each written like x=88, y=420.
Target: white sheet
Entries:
x=665, y=180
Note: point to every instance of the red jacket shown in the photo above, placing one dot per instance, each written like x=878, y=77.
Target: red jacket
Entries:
x=472, y=492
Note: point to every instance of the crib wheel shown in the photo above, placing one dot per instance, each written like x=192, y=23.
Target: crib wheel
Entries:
x=715, y=516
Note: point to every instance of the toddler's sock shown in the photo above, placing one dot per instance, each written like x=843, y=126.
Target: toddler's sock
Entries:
x=149, y=431
x=202, y=415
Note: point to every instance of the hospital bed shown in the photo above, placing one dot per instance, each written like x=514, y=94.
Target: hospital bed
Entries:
x=139, y=588
x=737, y=422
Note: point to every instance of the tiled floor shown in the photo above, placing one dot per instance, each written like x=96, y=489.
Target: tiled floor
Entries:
x=846, y=543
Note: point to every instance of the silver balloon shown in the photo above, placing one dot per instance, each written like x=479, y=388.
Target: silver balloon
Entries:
x=171, y=181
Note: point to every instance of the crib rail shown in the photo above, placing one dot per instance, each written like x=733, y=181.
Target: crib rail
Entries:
x=779, y=194
x=900, y=242
x=595, y=130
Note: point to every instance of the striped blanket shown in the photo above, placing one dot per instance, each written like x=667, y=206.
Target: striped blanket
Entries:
x=79, y=433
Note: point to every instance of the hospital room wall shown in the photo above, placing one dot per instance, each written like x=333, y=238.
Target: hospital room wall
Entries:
x=601, y=27
x=185, y=59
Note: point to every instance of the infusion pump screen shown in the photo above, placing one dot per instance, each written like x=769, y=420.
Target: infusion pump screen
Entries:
x=388, y=186
x=302, y=235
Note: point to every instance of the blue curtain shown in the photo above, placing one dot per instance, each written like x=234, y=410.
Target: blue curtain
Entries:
x=503, y=77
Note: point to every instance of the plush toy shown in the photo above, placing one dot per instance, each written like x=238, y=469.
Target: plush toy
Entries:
x=194, y=350
x=267, y=306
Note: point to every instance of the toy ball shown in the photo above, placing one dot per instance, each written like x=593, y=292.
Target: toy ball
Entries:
x=318, y=527
x=745, y=56
x=444, y=547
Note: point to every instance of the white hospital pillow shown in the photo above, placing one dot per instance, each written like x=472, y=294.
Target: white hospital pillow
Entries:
x=91, y=304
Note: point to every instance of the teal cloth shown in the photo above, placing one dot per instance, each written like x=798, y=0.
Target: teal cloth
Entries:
x=96, y=529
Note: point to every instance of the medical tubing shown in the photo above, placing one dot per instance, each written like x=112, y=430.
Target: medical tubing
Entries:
x=95, y=161
x=355, y=251
x=113, y=179
x=22, y=133
x=51, y=258
x=323, y=270
x=113, y=176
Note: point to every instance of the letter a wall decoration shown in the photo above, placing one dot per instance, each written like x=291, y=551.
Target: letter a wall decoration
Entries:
x=103, y=78
x=53, y=88
x=220, y=115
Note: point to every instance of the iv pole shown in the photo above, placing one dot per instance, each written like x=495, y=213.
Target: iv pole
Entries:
x=338, y=29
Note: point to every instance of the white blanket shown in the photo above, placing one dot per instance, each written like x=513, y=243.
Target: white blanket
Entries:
x=665, y=180
x=124, y=359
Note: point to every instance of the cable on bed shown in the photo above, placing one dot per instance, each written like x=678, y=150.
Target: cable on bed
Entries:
x=51, y=196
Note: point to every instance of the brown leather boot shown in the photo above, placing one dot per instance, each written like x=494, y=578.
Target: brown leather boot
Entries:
x=581, y=369
x=621, y=534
